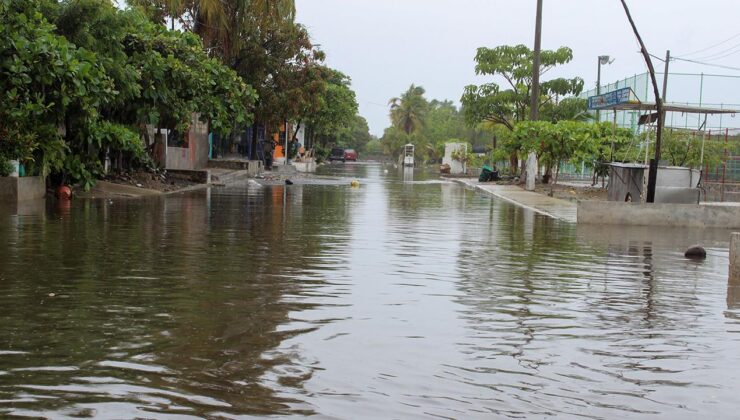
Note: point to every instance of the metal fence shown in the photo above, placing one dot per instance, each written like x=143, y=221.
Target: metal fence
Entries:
x=694, y=89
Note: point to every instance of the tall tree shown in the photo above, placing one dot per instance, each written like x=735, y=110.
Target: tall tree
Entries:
x=513, y=64
x=336, y=111
x=223, y=25
x=409, y=110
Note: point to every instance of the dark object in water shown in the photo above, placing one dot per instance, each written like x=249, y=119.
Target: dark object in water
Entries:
x=288, y=182
x=696, y=253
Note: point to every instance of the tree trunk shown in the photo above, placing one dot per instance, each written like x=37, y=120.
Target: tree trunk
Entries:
x=253, y=149
x=514, y=162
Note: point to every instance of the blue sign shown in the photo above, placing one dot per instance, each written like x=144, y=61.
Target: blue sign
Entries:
x=609, y=99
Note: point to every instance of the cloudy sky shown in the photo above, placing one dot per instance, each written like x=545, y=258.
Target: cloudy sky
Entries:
x=385, y=45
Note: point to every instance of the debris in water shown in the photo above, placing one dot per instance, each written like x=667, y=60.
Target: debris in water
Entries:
x=696, y=252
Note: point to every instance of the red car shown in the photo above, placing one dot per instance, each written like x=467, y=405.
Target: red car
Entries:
x=350, y=154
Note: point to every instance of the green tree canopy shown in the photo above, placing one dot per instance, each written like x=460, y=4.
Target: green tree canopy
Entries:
x=84, y=76
x=408, y=112
x=513, y=64
x=336, y=111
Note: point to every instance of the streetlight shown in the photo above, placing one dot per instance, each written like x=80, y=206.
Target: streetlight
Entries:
x=603, y=60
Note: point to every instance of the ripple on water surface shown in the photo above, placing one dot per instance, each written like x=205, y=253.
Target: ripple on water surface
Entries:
x=405, y=297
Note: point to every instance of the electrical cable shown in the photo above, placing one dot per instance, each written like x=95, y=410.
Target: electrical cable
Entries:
x=712, y=46
x=714, y=58
x=719, y=53
x=706, y=64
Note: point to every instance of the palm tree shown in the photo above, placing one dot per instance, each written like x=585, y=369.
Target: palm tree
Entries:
x=408, y=111
x=222, y=24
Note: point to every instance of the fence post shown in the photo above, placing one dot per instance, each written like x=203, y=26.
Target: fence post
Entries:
x=735, y=257
x=724, y=166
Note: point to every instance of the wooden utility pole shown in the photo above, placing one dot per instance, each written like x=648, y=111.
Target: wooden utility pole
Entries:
x=534, y=112
x=665, y=76
x=653, y=173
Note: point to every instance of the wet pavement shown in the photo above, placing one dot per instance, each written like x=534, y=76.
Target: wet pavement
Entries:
x=549, y=206
x=405, y=297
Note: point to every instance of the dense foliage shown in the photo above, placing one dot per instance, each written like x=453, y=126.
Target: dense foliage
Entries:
x=428, y=125
x=511, y=105
x=261, y=42
x=83, y=78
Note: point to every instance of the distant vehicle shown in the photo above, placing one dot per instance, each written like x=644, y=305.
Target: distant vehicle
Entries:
x=350, y=154
x=337, y=153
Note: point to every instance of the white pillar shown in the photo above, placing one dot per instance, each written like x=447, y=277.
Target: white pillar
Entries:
x=531, y=171
x=735, y=257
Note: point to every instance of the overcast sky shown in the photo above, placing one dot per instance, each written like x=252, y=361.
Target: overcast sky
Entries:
x=385, y=45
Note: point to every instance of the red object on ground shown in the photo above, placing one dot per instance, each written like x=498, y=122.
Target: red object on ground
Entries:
x=64, y=192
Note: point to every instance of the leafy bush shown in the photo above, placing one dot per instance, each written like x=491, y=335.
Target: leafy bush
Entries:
x=6, y=168
x=98, y=74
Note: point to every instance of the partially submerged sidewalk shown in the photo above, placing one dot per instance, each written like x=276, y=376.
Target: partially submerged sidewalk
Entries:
x=553, y=207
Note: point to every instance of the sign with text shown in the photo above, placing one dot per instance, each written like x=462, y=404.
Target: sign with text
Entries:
x=615, y=97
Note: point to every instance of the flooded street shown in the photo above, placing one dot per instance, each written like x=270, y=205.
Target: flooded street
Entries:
x=392, y=300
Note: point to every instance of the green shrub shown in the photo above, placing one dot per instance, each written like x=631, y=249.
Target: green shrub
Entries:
x=6, y=168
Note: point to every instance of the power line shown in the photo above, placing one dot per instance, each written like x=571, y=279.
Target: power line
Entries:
x=715, y=45
x=658, y=58
x=733, y=52
x=733, y=49
x=707, y=64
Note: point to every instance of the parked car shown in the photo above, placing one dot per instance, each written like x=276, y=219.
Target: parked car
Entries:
x=337, y=153
x=351, y=154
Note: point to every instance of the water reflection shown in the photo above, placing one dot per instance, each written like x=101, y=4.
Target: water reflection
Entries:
x=154, y=301
x=396, y=299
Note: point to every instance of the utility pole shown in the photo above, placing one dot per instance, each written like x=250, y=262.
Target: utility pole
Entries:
x=535, y=107
x=598, y=88
x=665, y=76
x=653, y=172
x=602, y=60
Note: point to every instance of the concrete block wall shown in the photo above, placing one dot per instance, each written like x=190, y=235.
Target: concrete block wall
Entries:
x=658, y=214
x=14, y=189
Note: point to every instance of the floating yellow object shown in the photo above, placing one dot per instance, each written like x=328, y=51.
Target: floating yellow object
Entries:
x=355, y=183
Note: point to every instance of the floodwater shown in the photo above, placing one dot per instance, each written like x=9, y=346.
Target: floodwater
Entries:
x=392, y=300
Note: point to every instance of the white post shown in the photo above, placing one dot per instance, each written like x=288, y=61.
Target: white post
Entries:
x=735, y=257
x=531, y=171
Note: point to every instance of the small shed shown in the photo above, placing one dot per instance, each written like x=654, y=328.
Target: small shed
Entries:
x=675, y=184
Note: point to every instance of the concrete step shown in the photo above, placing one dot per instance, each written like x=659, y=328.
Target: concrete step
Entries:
x=254, y=166
x=284, y=169
x=229, y=176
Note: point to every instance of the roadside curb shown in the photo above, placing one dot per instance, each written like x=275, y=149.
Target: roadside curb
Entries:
x=569, y=218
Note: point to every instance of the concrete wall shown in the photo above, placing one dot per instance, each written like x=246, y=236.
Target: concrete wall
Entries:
x=675, y=184
x=193, y=157
x=14, y=190
x=305, y=166
x=456, y=167
x=659, y=214
x=735, y=257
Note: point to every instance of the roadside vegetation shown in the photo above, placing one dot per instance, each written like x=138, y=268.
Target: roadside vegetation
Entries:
x=495, y=117
x=83, y=80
